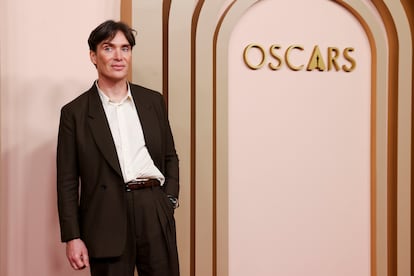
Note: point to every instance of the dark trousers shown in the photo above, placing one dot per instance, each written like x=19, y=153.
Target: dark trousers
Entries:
x=151, y=241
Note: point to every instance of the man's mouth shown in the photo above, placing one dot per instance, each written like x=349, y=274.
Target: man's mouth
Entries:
x=118, y=67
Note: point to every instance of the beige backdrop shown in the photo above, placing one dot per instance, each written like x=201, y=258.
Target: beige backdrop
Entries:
x=183, y=51
x=195, y=73
x=44, y=62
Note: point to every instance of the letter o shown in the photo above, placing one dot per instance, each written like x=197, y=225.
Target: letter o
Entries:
x=262, y=51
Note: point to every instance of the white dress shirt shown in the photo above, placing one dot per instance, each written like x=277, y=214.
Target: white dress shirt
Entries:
x=126, y=129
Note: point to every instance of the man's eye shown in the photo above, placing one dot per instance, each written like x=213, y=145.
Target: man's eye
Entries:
x=125, y=49
x=107, y=49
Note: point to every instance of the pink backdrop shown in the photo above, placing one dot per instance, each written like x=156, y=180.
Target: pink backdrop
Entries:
x=44, y=64
x=299, y=147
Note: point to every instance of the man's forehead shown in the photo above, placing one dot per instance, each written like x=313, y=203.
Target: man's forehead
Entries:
x=118, y=38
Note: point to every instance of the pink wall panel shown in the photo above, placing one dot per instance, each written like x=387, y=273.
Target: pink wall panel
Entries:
x=299, y=146
x=44, y=63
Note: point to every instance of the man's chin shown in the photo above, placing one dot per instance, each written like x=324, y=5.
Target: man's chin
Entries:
x=116, y=78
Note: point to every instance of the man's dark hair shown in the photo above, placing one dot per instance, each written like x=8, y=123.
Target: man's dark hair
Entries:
x=107, y=31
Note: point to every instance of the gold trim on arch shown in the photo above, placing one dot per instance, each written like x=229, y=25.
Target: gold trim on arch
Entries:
x=408, y=6
x=166, y=7
x=194, y=24
x=373, y=132
x=126, y=17
x=392, y=182
x=216, y=32
x=391, y=133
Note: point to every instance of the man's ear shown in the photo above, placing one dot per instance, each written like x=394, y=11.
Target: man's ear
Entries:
x=92, y=56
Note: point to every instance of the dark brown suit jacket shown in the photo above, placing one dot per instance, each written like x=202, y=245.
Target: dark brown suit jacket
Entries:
x=90, y=187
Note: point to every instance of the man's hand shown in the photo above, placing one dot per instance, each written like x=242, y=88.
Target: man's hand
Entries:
x=77, y=254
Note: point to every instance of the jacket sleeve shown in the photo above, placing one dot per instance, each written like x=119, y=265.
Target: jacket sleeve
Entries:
x=67, y=177
x=171, y=169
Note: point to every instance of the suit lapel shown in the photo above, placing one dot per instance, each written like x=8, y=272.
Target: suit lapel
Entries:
x=100, y=130
x=148, y=119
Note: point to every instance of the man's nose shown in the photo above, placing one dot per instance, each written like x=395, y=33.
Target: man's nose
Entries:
x=117, y=54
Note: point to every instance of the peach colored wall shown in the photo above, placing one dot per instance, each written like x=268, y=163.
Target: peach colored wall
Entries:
x=299, y=147
x=44, y=63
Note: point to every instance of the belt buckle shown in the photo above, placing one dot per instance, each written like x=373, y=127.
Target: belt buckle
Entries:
x=127, y=188
x=133, y=182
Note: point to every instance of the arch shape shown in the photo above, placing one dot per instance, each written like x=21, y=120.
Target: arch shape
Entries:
x=230, y=11
x=399, y=14
x=383, y=145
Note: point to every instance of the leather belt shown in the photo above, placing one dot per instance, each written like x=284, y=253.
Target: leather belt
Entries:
x=141, y=184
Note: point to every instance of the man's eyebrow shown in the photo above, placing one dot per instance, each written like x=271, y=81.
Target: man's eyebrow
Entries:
x=109, y=43
x=105, y=43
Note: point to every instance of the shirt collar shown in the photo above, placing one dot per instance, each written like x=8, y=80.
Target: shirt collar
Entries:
x=106, y=100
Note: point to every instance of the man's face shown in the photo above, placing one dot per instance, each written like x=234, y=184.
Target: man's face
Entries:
x=112, y=58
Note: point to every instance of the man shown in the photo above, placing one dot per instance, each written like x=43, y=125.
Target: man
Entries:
x=117, y=169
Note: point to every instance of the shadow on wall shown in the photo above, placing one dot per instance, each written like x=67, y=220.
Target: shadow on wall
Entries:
x=30, y=126
x=41, y=220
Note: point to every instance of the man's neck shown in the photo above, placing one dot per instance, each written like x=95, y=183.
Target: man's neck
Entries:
x=115, y=91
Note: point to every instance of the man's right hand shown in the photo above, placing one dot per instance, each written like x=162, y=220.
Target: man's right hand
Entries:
x=77, y=254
